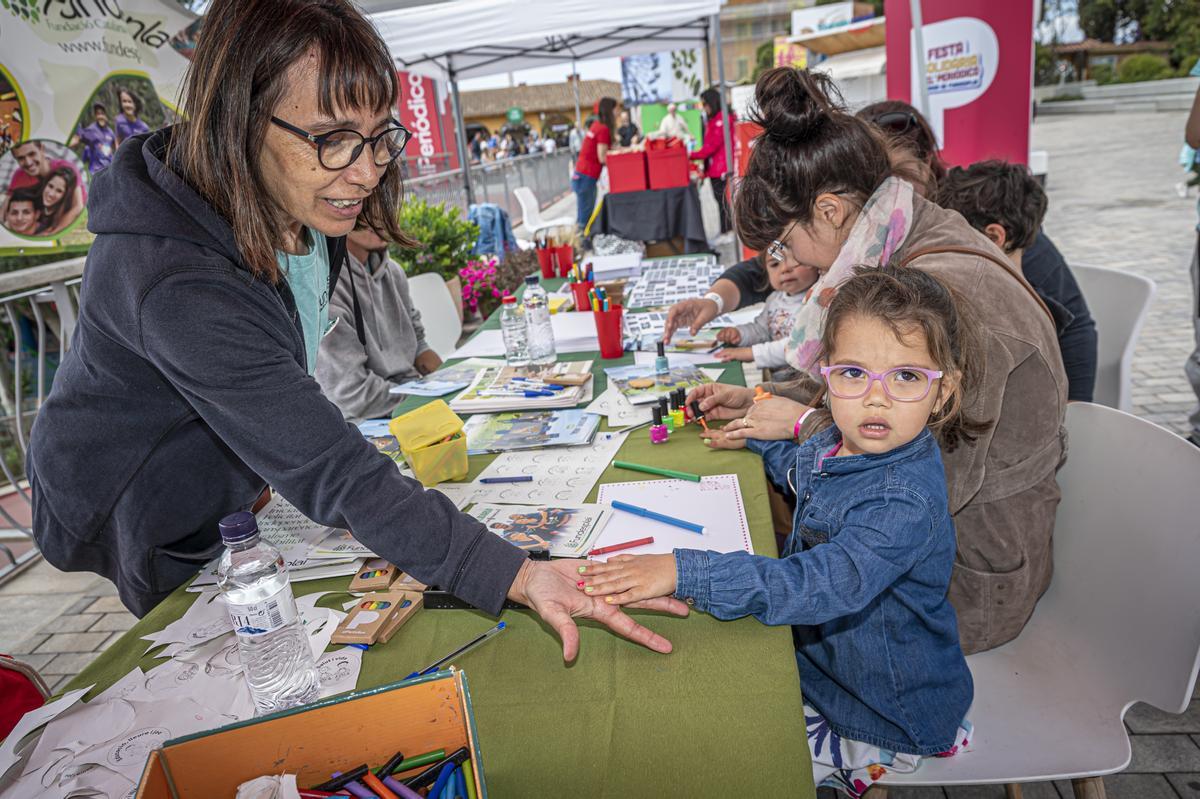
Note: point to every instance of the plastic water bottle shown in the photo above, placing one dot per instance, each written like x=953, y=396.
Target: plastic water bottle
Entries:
x=539, y=331
x=512, y=326
x=273, y=645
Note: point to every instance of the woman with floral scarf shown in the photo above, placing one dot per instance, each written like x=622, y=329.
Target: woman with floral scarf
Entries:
x=820, y=191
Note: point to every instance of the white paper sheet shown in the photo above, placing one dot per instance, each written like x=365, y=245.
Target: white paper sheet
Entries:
x=9, y=751
x=339, y=670
x=618, y=410
x=483, y=343
x=715, y=502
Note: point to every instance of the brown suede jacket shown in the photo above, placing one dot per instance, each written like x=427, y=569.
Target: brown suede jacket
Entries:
x=1002, y=489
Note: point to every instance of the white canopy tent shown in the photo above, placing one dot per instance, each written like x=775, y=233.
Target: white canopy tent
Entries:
x=471, y=38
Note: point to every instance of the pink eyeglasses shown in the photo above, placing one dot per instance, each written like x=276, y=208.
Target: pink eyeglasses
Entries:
x=903, y=384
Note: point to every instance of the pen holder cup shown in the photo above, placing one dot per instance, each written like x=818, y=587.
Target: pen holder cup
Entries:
x=608, y=331
x=432, y=441
x=580, y=292
x=545, y=256
x=546, y=260
x=565, y=256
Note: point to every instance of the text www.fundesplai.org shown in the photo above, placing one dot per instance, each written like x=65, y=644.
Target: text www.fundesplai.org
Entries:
x=119, y=49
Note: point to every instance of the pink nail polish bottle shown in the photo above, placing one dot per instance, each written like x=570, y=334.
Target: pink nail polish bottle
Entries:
x=658, y=430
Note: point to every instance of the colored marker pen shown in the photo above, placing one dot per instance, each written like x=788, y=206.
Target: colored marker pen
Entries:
x=665, y=413
x=661, y=365
x=658, y=431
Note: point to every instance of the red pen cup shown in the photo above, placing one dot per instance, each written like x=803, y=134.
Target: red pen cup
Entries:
x=580, y=291
x=566, y=259
x=546, y=261
x=608, y=330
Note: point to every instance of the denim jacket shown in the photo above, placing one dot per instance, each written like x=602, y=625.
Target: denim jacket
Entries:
x=863, y=581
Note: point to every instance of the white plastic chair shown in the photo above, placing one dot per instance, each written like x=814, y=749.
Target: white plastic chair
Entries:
x=531, y=212
x=438, y=314
x=1118, y=302
x=1118, y=624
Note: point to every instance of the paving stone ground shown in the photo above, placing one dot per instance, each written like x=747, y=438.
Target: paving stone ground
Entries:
x=1112, y=203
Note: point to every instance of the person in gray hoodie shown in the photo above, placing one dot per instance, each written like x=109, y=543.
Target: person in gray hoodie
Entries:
x=188, y=390
x=358, y=376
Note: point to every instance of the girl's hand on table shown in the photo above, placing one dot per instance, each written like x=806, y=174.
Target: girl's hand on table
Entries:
x=715, y=438
x=693, y=313
x=625, y=579
x=551, y=589
x=735, y=354
x=729, y=335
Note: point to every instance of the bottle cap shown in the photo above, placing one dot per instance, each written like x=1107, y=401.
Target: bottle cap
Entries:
x=238, y=527
x=657, y=411
x=531, y=280
x=661, y=351
x=507, y=300
x=662, y=405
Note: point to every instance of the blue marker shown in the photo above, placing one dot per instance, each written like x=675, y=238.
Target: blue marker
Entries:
x=658, y=517
x=524, y=478
x=462, y=650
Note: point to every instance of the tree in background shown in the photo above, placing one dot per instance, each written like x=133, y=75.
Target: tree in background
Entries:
x=1174, y=21
x=764, y=59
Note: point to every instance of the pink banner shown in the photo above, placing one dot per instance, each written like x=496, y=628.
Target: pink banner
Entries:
x=979, y=73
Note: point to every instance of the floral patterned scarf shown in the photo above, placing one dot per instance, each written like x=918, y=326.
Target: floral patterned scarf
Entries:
x=878, y=233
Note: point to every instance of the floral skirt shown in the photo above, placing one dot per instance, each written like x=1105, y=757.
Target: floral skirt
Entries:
x=853, y=766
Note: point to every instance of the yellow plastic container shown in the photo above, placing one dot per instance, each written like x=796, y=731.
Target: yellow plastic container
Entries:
x=433, y=443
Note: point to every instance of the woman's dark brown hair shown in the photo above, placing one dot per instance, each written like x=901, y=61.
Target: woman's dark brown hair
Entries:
x=809, y=146
x=235, y=80
x=606, y=113
x=908, y=135
x=910, y=301
x=55, y=218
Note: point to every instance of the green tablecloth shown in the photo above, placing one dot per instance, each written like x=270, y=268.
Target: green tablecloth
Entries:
x=721, y=714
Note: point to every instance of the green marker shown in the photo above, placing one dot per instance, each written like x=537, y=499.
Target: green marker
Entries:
x=637, y=467
x=418, y=761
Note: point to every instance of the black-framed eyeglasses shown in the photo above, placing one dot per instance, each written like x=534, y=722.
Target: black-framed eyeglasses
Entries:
x=340, y=148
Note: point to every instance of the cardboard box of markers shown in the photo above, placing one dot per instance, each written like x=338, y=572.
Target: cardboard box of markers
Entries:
x=314, y=741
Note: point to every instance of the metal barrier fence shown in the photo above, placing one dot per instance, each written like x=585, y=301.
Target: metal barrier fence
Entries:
x=549, y=176
x=37, y=303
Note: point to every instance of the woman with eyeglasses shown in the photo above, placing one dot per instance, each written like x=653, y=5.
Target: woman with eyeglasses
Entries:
x=188, y=387
x=822, y=191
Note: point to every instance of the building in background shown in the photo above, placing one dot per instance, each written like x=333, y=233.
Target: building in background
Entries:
x=545, y=108
x=1083, y=57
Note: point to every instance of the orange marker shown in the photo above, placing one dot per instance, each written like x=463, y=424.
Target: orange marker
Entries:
x=381, y=790
x=760, y=395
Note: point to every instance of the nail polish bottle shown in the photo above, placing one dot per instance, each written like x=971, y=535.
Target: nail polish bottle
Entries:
x=665, y=413
x=658, y=431
x=661, y=365
x=677, y=416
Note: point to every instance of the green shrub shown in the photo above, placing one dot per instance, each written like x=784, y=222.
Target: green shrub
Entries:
x=445, y=239
x=1143, y=67
x=1102, y=73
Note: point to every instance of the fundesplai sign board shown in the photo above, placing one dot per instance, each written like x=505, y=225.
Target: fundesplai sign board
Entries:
x=425, y=112
x=978, y=70
x=77, y=78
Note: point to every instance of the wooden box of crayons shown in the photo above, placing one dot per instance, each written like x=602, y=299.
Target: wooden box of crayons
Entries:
x=415, y=717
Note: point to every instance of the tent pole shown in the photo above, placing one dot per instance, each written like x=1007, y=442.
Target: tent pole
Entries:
x=575, y=81
x=918, y=64
x=727, y=128
x=708, y=49
x=460, y=134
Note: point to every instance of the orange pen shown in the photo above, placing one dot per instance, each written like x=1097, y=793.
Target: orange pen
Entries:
x=381, y=790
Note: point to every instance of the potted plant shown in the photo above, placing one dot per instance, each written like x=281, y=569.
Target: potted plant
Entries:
x=445, y=240
x=481, y=291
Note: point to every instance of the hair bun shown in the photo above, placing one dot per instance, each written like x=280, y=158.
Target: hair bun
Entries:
x=794, y=105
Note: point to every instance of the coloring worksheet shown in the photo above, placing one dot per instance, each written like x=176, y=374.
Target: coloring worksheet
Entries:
x=668, y=283
x=715, y=502
x=561, y=476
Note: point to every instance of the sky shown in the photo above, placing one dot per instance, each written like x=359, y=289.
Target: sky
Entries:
x=598, y=69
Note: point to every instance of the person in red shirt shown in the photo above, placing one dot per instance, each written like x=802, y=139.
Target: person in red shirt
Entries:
x=713, y=155
x=592, y=155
